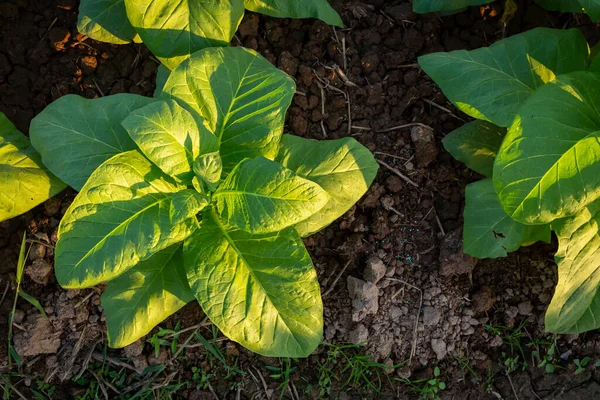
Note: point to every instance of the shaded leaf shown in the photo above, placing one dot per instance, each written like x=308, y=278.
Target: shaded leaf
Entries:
x=343, y=167
x=162, y=74
x=259, y=290
x=242, y=97
x=262, y=196
x=488, y=231
x=428, y=6
x=475, y=144
x=208, y=168
x=105, y=21
x=296, y=9
x=75, y=135
x=120, y=217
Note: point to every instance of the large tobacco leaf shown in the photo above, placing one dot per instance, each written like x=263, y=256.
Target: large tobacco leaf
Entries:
x=75, y=135
x=105, y=21
x=296, y=9
x=25, y=181
x=262, y=196
x=561, y=5
x=592, y=8
x=120, y=217
x=173, y=30
x=488, y=231
x=575, y=306
x=547, y=166
x=259, y=290
x=144, y=296
x=491, y=83
x=170, y=137
x=343, y=167
x=476, y=144
x=242, y=97
x=427, y=6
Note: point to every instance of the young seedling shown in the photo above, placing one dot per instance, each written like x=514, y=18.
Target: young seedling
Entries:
x=537, y=124
x=581, y=364
x=199, y=195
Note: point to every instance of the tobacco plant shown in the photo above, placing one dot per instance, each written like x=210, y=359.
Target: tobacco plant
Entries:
x=590, y=7
x=25, y=181
x=536, y=139
x=173, y=30
x=196, y=194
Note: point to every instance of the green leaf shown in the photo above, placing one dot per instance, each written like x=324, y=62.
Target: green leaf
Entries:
x=25, y=180
x=491, y=83
x=343, y=167
x=23, y=255
x=105, y=21
x=296, y=9
x=575, y=306
x=186, y=204
x=144, y=296
x=475, y=144
x=561, y=5
x=34, y=302
x=547, y=166
x=173, y=30
x=75, y=135
x=488, y=231
x=120, y=217
x=262, y=196
x=162, y=74
x=208, y=168
x=242, y=97
x=592, y=8
x=428, y=6
x=259, y=290
x=170, y=137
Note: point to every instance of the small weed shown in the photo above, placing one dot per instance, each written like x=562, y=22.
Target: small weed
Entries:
x=201, y=378
x=545, y=361
x=43, y=391
x=581, y=364
x=427, y=388
x=158, y=340
x=358, y=369
x=512, y=338
x=282, y=373
x=465, y=367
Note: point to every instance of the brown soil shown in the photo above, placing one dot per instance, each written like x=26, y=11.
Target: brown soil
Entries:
x=401, y=243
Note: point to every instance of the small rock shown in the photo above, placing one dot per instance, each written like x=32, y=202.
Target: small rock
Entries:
x=37, y=251
x=483, y=300
x=53, y=206
x=39, y=337
x=453, y=260
x=525, y=308
x=140, y=362
x=375, y=269
x=439, y=348
x=511, y=312
x=431, y=316
x=88, y=64
x=370, y=62
x=134, y=349
x=162, y=358
x=58, y=37
x=18, y=316
x=365, y=298
x=288, y=63
x=249, y=26
x=426, y=149
x=359, y=335
x=40, y=271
